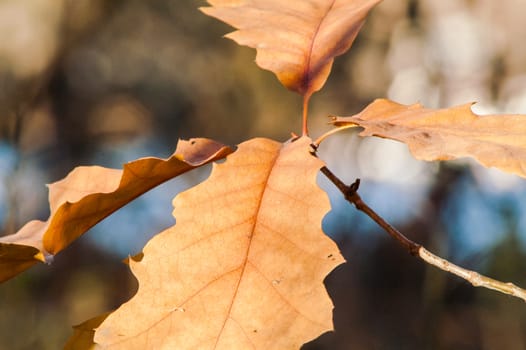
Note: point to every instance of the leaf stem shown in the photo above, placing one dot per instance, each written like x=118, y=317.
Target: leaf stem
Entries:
x=476, y=279
x=322, y=138
x=305, y=129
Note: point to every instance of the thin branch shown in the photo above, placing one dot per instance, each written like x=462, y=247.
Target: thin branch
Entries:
x=477, y=280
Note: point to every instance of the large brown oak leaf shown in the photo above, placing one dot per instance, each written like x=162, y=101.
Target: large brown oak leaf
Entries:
x=243, y=267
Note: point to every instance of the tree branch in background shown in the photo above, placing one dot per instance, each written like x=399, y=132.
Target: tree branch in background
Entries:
x=477, y=280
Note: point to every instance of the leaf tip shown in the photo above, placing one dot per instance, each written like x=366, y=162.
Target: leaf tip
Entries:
x=44, y=257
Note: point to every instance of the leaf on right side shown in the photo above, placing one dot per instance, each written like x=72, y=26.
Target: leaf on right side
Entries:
x=442, y=134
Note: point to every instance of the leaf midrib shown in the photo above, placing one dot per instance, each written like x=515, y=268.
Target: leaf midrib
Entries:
x=249, y=246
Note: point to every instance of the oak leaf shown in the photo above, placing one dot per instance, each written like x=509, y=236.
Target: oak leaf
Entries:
x=88, y=195
x=243, y=267
x=295, y=39
x=442, y=134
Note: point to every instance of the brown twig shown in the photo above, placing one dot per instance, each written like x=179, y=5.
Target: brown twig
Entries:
x=477, y=280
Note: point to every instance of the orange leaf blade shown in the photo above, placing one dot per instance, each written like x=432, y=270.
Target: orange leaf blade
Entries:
x=296, y=39
x=243, y=268
x=16, y=258
x=442, y=134
x=89, y=194
x=102, y=190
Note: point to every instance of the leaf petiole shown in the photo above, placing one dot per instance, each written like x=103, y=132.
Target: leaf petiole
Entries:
x=322, y=138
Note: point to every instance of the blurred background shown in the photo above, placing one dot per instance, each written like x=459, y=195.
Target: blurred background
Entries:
x=86, y=82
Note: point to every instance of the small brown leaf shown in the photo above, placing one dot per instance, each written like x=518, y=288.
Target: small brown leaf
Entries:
x=89, y=194
x=441, y=134
x=295, y=39
x=82, y=338
x=243, y=268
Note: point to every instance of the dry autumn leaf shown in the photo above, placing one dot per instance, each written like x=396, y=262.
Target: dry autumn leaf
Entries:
x=243, y=267
x=88, y=195
x=441, y=134
x=82, y=337
x=296, y=39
